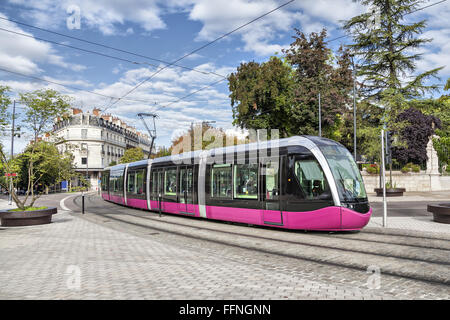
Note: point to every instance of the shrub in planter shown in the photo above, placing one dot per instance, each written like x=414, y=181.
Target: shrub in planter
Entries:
x=373, y=169
x=405, y=169
x=410, y=167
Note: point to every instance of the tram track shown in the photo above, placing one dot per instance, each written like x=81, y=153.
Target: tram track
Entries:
x=416, y=265
x=439, y=244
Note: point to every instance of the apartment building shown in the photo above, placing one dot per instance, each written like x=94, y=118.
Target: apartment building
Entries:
x=96, y=140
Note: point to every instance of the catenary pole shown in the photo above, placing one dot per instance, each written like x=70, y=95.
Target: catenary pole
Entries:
x=12, y=151
x=383, y=178
x=320, y=118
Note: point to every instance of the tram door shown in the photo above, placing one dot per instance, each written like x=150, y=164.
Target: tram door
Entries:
x=270, y=181
x=157, y=189
x=186, y=194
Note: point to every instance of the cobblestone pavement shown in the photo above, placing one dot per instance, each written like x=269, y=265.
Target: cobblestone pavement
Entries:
x=132, y=254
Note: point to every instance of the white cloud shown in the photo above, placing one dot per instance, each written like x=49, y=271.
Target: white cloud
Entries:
x=23, y=54
x=105, y=15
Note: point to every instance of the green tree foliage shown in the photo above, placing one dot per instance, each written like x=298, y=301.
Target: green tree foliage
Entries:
x=131, y=155
x=368, y=119
x=388, y=53
x=202, y=137
x=317, y=70
x=162, y=152
x=41, y=107
x=50, y=167
x=283, y=95
x=261, y=95
x=5, y=101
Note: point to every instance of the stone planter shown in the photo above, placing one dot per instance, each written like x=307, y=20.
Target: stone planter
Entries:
x=27, y=218
x=441, y=212
x=390, y=192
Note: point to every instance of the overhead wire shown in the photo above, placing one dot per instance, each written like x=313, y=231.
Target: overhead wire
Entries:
x=198, y=49
x=101, y=45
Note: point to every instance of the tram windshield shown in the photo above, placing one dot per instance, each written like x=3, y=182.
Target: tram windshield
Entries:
x=345, y=172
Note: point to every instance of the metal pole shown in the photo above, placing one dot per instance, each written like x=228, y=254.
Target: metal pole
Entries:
x=12, y=151
x=354, y=110
x=383, y=180
x=320, y=119
x=87, y=168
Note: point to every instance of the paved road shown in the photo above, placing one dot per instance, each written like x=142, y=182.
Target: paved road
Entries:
x=127, y=253
x=403, y=209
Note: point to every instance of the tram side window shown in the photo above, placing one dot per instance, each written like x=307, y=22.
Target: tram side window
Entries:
x=312, y=179
x=131, y=182
x=271, y=173
x=140, y=185
x=154, y=182
x=246, y=181
x=119, y=183
x=170, y=182
x=112, y=184
x=104, y=182
x=221, y=181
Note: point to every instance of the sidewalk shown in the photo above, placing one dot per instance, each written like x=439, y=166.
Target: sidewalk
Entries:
x=443, y=196
x=5, y=206
x=423, y=224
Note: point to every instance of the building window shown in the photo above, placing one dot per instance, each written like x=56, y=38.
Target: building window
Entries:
x=221, y=181
x=84, y=160
x=246, y=181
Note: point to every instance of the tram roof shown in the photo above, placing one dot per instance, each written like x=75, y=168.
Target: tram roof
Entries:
x=306, y=141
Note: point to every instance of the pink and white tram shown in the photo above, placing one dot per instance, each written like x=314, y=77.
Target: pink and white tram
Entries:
x=302, y=182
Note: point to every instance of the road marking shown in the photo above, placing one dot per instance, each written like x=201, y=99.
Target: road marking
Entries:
x=61, y=203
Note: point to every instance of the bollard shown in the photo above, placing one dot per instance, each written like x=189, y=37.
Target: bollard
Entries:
x=82, y=203
x=159, y=198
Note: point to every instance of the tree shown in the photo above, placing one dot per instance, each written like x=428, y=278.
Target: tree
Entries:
x=50, y=167
x=41, y=107
x=131, y=155
x=317, y=70
x=416, y=134
x=368, y=118
x=386, y=55
x=162, y=152
x=261, y=95
x=5, y=101
x=202, y=137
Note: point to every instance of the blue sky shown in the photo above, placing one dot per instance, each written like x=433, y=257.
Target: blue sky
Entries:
x=167, y=30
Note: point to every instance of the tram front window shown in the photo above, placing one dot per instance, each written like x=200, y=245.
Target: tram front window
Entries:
x=345, y=172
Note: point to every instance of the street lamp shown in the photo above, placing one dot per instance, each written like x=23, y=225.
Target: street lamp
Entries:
x=354, y=108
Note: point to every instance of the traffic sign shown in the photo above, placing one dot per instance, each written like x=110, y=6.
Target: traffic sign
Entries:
x=10, y=174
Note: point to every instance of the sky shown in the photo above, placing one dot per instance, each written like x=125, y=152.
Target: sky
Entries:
x=163, y=31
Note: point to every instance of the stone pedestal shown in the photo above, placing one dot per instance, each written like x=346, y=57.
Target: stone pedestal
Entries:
x=432, y=161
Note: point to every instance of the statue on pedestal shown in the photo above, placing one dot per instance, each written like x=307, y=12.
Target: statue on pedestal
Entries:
x=432, y=158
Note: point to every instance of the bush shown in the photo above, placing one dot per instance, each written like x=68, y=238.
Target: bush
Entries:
x=405, y=169
x=372, y=168
x=410, y=167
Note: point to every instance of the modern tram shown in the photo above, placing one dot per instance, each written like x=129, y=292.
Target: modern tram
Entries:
x=301, y=182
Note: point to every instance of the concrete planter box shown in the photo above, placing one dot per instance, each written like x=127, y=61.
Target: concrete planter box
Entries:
x=390, y=192
x=441, y=212
x=27, y=218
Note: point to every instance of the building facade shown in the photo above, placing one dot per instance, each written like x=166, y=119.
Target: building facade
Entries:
x=95, y=140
